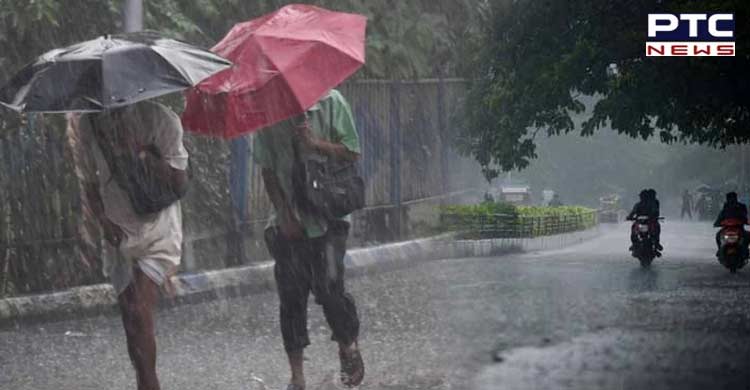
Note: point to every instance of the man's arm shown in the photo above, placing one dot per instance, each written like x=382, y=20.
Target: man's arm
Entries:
x=288, y=222
x=167, y=157
x=112, y=232
x=332, y=149
x=85, y=167
x=633, y=212
x=719, y=218
x=176, y=179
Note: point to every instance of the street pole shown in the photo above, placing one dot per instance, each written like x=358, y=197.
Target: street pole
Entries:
x=743, y=173
x=133, y=15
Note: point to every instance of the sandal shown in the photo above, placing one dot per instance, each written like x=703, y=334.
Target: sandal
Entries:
x=352, y=368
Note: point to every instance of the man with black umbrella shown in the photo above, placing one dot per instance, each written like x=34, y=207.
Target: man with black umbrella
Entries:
x=132, y=164
x=129, y=157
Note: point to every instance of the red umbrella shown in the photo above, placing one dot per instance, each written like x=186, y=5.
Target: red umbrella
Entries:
x=284, y=63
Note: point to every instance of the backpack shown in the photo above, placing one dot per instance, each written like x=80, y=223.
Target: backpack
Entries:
x=148, y=194
x=325, y=185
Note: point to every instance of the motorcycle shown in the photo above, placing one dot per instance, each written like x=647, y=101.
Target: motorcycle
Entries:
x=644, y=249
x=732, y=254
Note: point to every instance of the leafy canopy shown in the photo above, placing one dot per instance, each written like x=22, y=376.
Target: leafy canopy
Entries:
x=542, y=59
x=405, y=39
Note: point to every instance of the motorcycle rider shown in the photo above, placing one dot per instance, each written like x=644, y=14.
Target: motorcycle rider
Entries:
x=648, y=206
x=657, y=226
x=732, y=209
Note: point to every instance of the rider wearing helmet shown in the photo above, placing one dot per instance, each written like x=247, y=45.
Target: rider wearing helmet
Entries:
x=648, y=206
x=732, y=210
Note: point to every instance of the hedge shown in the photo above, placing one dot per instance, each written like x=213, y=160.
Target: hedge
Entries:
x=503, y=220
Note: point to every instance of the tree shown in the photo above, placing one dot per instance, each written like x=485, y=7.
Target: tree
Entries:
x=541, y=59
x=405, y=39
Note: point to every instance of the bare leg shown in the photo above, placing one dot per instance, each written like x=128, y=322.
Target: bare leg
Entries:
x=137, y=305
x=296, y=364
x=348, y=349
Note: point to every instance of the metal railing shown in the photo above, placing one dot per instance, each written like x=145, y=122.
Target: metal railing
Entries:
x=516, y=226
x=406, y=129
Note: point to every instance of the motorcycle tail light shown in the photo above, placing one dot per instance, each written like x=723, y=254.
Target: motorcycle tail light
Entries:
x=643, y=228
x=731, y=238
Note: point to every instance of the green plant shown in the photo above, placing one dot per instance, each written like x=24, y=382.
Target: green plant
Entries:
x=501, y=220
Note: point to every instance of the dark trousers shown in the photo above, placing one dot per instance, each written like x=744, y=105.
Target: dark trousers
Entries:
x=686, y=210
x=312, y=265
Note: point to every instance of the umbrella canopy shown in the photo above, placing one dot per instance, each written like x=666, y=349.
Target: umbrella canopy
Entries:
x=108, y=72
x=284, y=63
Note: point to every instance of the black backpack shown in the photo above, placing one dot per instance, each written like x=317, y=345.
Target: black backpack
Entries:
x=325, y=185
x=148, y=193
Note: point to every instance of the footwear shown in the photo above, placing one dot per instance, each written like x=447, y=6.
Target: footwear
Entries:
x=658, y=254
x=632, y=247
x=659, y=247
x=352, y=368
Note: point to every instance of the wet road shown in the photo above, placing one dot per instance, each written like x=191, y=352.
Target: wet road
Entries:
x=585, y=317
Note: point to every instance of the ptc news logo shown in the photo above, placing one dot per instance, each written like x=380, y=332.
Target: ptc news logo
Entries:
x=690, y=35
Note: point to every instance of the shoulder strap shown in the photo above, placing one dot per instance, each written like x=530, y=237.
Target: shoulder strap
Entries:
x=330, y=120
x=104, y=146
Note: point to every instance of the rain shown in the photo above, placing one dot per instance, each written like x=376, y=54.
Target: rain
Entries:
x=400, y=195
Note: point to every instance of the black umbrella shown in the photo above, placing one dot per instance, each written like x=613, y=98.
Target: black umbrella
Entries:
x=108, y=72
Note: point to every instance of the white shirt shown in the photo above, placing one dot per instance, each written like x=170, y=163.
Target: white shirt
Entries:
x=154, y=241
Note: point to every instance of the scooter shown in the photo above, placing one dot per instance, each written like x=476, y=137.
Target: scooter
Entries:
x=732, y=254
x=644, y=248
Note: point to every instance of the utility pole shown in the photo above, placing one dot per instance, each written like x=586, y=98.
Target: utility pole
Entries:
x=133, y=15
x=743, y=173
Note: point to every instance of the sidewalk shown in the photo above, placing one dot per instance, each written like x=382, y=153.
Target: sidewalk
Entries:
x=258, y=277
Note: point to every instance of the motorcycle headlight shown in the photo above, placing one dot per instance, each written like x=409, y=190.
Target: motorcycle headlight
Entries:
x=643, y=228
x=731, y=239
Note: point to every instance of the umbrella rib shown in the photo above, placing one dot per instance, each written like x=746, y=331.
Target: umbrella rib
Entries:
x=281, y=75
x=180, y=71
x=319, y=41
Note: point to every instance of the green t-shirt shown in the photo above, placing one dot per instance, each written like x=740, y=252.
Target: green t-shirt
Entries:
x=330, y=119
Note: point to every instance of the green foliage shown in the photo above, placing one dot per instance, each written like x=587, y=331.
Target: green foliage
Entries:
x=502, y=220
x=545, y=211
x=484, y=208
x=541, y=59
x=406, y=39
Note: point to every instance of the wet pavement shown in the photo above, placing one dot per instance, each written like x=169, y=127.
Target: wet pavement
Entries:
x=585, y=317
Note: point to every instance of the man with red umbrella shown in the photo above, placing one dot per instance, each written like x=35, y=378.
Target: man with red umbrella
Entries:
x=308, y=248
x=284, y=63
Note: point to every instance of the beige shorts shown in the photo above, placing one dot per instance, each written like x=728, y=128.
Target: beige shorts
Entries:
x=157, y=258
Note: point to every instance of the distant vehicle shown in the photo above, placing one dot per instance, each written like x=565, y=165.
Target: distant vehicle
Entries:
x=708, y=203
x=547, y=196
x=609, y=208
x=520, y=195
